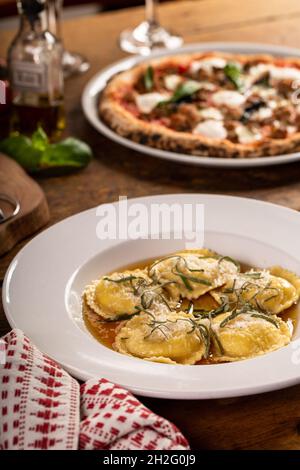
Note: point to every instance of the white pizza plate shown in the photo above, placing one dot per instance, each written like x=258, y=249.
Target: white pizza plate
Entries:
x=43, y=286
x=93, y=89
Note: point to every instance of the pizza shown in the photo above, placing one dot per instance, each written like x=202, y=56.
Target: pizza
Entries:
x=208, y=104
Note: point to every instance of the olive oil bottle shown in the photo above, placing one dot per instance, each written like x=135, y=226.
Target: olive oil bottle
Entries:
x=35, y=72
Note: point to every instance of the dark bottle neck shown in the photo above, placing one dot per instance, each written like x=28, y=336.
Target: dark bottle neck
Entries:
x=28, y=25
x=33, y=15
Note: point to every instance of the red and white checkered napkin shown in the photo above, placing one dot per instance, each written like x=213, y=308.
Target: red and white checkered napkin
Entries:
x=42, y=407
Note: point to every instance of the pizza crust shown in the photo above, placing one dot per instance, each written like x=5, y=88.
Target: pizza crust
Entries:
x=154, y=135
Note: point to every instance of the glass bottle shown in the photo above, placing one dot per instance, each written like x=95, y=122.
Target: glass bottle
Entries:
x=35, y=72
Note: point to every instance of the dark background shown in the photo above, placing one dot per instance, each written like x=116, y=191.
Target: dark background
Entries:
x=9, y=7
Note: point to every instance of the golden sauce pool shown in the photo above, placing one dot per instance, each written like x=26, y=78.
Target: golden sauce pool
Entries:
x=105, y=332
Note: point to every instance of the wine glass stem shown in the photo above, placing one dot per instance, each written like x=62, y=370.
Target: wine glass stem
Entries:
x=151, y=12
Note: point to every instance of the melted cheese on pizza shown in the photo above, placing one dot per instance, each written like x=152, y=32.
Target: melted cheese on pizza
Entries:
x=211, y=128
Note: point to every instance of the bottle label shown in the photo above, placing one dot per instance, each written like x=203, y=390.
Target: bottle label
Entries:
x=28, y=76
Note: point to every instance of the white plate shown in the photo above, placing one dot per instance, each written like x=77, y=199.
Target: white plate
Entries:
x=43, y=285
x=97, y=84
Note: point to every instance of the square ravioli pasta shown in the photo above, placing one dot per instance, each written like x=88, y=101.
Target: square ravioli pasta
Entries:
x=193, y=307
x=191, y=274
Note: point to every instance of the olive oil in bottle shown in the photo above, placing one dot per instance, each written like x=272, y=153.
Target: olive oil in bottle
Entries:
x=35, y=72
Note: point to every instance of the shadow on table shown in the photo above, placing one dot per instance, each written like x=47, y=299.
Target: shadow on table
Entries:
x=187, y=177
x=232, y=423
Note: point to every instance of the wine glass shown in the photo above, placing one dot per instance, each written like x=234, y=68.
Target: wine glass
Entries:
x=149, y=34
x=72, y=62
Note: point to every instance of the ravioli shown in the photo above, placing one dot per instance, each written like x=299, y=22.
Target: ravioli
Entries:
x=171, y=339
x=288, y=276
x=191, y=274
x=261, y=289
x=248, y=335
x=121, y=294
x=191, y=306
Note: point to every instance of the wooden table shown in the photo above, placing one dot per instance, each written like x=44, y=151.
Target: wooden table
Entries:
x=269, y=421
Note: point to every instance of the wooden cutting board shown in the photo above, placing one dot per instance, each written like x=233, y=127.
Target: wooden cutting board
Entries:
x=34, y=212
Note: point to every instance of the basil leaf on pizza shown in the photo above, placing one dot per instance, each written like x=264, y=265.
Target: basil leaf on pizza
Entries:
x=233, y=73
x=149, y=78
x=184, y=90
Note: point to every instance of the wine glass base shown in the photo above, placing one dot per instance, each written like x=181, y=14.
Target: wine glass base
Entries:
x=146, y=37
x=74, y=64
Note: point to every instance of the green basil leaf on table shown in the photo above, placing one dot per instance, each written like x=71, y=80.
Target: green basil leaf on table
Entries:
x=37, y=155
x=70, y=152
x=40, y=139
x=20, y=148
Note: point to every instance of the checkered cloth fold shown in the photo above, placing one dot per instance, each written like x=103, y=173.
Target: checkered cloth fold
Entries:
x=43, y=407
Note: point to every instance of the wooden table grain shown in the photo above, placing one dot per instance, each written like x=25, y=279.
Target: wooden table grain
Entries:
x=267, y=421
